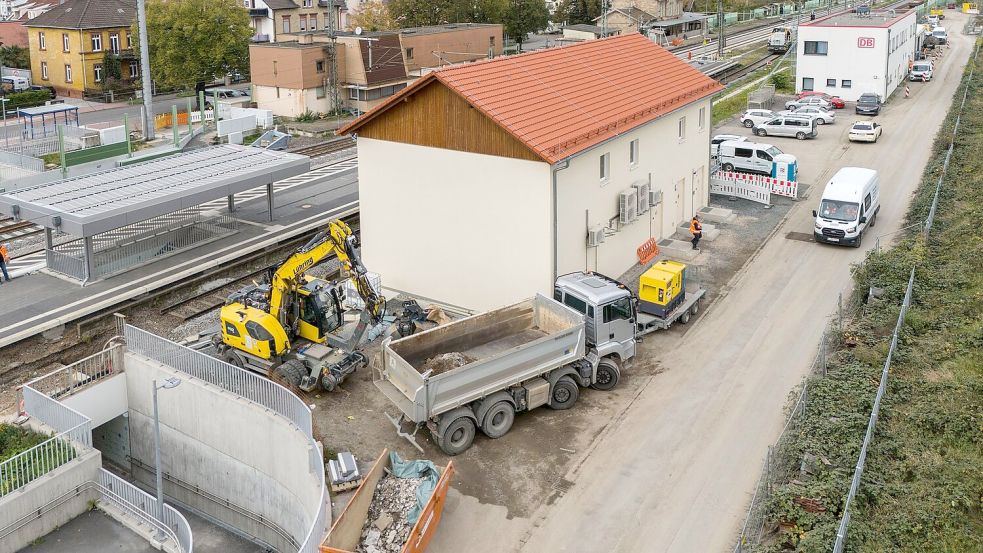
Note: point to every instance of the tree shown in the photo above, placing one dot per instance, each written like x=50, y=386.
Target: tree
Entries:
x=419, y=13
x=479, y=11
x=573, y=12
x=15, y=56
x=523, y=17
x=194, y=41
x=372, y=16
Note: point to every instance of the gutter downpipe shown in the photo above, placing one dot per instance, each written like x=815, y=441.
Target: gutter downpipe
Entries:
x=887, y=66
x=559, y=166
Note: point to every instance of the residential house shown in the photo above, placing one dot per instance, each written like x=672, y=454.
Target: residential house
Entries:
x=272, y=18
x=627, y=19
x=69, y=44
x=581, y=32
x=531, y=166
x=322, y=71
x=13, y=15
x=665, y=16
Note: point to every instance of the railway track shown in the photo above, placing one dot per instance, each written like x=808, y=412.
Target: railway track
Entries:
x=733, y=73
x=10, y=229
x=326, y=148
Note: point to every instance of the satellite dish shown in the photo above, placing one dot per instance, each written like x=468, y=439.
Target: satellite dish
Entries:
x=358, y=31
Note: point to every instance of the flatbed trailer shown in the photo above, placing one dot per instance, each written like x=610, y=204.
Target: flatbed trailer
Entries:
x=646, y=324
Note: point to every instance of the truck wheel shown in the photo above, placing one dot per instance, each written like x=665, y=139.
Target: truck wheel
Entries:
x=695, y=309
x=800, y=135
x=564, y=393
x=607, y=376
x=498, y=420
x=292, y=371
x=684, y=318
x=860, y=238
x=457, y=437
x=232, y=358
x=727, y=167
x=873, y=221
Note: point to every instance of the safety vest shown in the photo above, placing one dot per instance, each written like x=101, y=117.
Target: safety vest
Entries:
x=695, y=227
x=4, y=253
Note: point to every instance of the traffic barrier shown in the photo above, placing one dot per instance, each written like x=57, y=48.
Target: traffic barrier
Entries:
x=777, y=186
x=647, y=251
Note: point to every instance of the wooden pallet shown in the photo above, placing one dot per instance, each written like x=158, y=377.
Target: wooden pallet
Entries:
x=345, y=486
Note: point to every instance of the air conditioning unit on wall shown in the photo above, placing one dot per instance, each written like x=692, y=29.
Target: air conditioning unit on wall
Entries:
x=642, y=193
x=655, y=197
x=595, y=236
x=627, y=206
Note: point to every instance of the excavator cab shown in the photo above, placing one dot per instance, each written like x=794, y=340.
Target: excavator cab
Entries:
x=321, y=311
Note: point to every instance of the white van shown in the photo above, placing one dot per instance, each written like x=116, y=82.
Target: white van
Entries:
x=940, y=35
x=15, y=83
x=747, y=157
x=850, y=204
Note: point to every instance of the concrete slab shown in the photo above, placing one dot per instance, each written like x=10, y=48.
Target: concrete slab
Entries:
x=718, y=214
x=92, y=531
x=710, y=232
x=678, y=250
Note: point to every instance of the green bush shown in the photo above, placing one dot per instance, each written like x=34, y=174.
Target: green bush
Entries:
x=27, y=99
x=309, y=116
x=782, y=81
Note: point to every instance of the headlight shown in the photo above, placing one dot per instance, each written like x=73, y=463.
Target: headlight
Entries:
x=852, y=229
x=818, y=227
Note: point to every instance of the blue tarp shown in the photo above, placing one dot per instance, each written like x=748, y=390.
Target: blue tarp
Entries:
x=416, y=469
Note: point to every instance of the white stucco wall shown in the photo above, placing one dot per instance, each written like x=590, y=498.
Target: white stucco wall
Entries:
x=677, y=167
x=879, y=69
x=291, y=101
x=102, y=401
x=468, y=229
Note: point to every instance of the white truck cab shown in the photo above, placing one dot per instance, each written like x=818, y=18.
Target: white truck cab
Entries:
x=608, y=308
x=849, y=206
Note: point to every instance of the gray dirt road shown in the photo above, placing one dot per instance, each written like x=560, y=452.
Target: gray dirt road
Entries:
x=675, y=471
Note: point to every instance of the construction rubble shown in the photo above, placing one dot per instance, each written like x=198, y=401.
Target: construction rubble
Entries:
x=386, y=528
x=444, y=362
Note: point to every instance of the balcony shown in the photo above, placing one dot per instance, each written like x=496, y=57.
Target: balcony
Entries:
x=259, y=12
x=260, y=38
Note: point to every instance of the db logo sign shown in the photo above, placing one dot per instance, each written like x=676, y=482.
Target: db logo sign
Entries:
x=865, y=42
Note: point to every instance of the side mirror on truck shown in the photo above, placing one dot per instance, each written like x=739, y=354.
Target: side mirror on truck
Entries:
x=863, y=220
x=814, y=213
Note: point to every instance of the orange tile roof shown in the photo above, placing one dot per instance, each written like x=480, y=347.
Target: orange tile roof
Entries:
x=562, y=101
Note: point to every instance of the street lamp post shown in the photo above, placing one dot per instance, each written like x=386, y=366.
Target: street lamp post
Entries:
x=169, y=383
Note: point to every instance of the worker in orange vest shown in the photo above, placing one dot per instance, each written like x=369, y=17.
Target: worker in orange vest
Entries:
x=696, y=229
x=4, y=259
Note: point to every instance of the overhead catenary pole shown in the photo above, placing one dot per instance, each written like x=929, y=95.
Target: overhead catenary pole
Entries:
x=720, y=29
x=148, y=95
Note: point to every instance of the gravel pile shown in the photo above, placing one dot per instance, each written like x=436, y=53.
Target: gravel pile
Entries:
x=386, y=528
x=444, y=362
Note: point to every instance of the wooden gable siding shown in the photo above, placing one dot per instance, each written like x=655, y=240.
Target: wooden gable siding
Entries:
x=437, y=117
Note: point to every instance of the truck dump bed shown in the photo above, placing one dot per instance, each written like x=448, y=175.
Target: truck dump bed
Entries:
x=435, y=371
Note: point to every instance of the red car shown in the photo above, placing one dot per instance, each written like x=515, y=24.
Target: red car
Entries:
x=835, y=101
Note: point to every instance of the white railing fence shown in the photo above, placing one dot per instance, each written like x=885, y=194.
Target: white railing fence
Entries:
x=136, y=502
x=67, y=380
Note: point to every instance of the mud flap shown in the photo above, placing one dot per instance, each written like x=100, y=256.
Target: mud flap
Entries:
x=398, y=423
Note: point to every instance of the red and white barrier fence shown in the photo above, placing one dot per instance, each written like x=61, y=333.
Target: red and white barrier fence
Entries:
x=777, y=186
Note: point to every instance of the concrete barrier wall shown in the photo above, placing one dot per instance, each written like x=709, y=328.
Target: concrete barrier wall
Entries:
x=228, y=447
x=45, y=495
x=102, y=401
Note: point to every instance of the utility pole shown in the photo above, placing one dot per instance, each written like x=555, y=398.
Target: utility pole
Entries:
x=148, y=94
x=720, y=29
x=604, y=18
x=333, y=63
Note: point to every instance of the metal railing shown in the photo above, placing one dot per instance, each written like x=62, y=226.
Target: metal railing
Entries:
x=131, y=499
x=69, y=264
x=241, y=382
x=23, y=161
x=67, y=380
x=248, y=385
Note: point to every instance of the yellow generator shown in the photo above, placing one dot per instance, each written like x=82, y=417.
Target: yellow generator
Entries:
x=662, y=288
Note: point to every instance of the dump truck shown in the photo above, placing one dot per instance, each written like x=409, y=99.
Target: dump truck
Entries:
x=346, y=530
x=478, y=372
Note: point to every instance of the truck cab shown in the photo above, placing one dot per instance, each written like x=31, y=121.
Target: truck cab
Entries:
x=608, y=308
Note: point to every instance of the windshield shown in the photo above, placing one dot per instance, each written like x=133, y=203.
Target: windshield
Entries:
x=867, y=100
x=774, y=151
x=921, y=68
x=839, y=211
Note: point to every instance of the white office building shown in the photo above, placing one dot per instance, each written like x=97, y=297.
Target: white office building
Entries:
x=847, y=54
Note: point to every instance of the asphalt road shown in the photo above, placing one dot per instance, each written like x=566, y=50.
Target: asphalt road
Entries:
x=675, y=471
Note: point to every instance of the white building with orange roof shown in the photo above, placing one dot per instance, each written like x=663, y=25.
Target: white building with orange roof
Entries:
x=479, y=184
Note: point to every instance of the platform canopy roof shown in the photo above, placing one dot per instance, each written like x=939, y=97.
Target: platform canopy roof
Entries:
x=46, y=109
x=100, y=202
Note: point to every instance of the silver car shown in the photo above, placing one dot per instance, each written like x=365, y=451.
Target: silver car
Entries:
x=753, y=117
x=822, y=116
x=788, y=125
x=808, y=101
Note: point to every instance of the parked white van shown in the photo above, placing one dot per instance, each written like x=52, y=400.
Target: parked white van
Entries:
x=850, y=204
x=15, y=83
x=747, y=157
x=940, y=35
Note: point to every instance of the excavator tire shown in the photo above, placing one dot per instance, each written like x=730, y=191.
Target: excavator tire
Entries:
x=232, y=358
x=292, y=371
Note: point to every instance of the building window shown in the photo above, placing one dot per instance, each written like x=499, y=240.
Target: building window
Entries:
x=308, y=3
x=64, y=42
x=303, y=23
x=68, y=73
x=846, y=83
x=327, y=20
x=319, y=64
x=41, y=43
x=682, y=129
x=129, y=40
x=96, y=42
x=319, y=92
x=808, y=83
x=97, y=71
x=605, y=167
x=491, y=41
x=831, y=83
x=409, y=53
x=286, y=24
x=44, y=70
x=134, y=70
x=313, y=21
x=816, y=47
x=353, y=94
x=114, y=42
x=633, y=153
x=703, y=119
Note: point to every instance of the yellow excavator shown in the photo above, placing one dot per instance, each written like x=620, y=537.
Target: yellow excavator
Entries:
x=288, y=324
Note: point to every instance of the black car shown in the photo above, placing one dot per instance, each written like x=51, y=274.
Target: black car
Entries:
x=49, y=89
x=869, y=104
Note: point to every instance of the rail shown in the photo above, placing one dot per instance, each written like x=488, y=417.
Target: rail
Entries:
x=248, y=385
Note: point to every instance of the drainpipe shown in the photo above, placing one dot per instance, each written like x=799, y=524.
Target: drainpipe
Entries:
x=556, y=168
x=887, y=64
